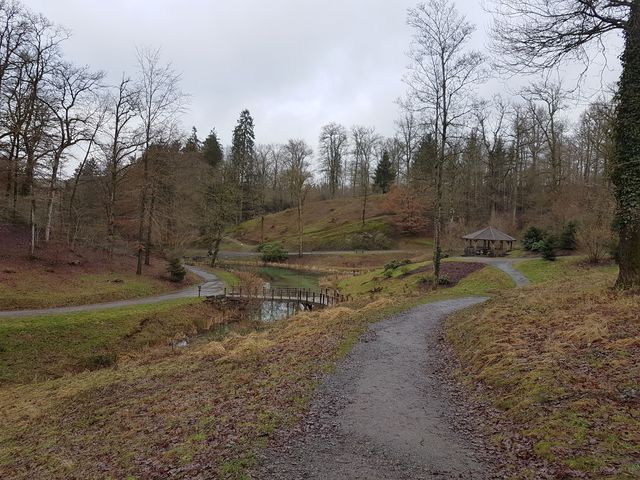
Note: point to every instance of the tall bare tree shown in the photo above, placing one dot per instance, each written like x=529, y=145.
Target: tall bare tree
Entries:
x=440, y=79
x=160, y=101
x=366, y=145
x=119, y=143
x=298, y=176
x=71, y=99
x=334, y=143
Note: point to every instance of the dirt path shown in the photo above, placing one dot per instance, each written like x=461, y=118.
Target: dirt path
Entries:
x=386, y=413
x=212, y=286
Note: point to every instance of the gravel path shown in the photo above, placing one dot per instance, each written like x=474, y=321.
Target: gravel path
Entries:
x=212, y=286
x=386, y=413
x=507, y=267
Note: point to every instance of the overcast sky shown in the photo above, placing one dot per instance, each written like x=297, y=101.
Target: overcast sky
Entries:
x=295, y=64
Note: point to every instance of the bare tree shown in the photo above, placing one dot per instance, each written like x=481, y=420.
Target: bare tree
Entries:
x=366, y=145
x=70, y=100
x=160, y=101
x=410, y=134
x=334, y=143
x=538, y=35
x=298, y=175
x=440, y=78
x=119, y=144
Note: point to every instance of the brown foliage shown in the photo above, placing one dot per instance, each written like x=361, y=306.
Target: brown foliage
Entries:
x=410, y=209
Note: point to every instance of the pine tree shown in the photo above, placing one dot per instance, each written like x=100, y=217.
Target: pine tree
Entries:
x=384, y=175
x=242, y=156
x=192, y=144
x=212, y=150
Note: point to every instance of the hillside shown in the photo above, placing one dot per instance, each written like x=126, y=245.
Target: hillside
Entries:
x=330, y=225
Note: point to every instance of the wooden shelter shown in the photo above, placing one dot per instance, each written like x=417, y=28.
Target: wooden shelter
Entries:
x=488, y=241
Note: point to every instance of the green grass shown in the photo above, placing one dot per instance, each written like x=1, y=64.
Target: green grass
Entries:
x=282, y=277
x=38, y=348
x=484, y=282
x=539, y=270
x=228, y=277
x=30, y=290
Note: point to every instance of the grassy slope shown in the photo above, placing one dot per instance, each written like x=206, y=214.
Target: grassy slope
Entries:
x=328, y=225
x=487, y=281
x=539, y=270
x=228, y=277
x=26, y=290
x=51, y=346
x=561, y=361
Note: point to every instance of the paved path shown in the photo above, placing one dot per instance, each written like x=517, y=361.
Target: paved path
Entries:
x=386, y=413
x=504, y=264
x=212, y=286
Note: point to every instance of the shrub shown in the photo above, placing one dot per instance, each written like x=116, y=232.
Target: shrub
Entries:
x=549, y=249
x=394, y=264
x=176, y=270
x=532, y=238
x=568, y=237
x=597, y=239
x=273, y=252
x=370, y=241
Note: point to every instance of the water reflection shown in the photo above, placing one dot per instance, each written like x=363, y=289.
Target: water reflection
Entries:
x=272, y=311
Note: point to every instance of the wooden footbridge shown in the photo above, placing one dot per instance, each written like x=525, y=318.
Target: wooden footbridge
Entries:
x=305, y=297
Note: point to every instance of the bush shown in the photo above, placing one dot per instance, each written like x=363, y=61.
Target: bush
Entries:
x=569, y=237
x=370, y=241
x=176, y=271
x=532, y=238
x=273, y=252
x=549, y=249
x=395, y=264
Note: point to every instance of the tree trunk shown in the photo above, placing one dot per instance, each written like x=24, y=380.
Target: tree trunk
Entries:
x=626, y=170
x=52, y=194
x=32, y=225
x=216, y=251
x=141, y=215
x=147, y=246
x=300, y=228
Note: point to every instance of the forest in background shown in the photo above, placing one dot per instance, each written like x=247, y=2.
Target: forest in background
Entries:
x=137, y=183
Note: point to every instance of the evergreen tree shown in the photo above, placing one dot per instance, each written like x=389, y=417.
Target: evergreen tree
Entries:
x=243, y=143
x=192, y=144
x=242, y=163
x=384, y=175
x=212, y=150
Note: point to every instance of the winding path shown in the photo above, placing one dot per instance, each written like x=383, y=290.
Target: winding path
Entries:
x=386, y=413
x=212, y=286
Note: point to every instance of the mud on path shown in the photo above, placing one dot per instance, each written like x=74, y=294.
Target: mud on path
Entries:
x=386, y=413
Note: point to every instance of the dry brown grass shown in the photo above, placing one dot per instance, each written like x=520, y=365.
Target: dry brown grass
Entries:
x=201, y=412
x=561, y=361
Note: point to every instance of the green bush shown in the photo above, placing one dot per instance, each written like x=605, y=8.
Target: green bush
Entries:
x=532, y=238
x=569, y=237
x=549, y=249
x=273, y=252
x=395, y=264
x=176, y=271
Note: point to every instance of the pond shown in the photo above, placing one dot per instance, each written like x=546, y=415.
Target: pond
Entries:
x=284, y=277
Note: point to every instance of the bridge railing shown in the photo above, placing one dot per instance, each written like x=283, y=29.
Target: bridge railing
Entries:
x=326, y=297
